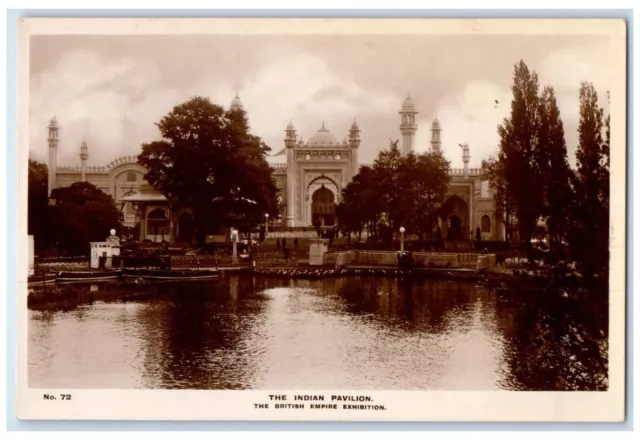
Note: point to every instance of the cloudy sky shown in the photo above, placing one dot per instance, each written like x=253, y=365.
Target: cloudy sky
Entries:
x=111, y=90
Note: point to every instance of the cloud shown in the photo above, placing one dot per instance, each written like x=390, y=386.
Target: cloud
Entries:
x=469, y=116
x=114, y=105
x=112, y=94
x=303, y=88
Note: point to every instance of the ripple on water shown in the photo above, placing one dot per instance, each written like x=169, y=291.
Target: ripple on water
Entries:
x=241, y=333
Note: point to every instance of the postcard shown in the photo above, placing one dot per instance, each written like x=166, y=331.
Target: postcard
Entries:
x=321, y=219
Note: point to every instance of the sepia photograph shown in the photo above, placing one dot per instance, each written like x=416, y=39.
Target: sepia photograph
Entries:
x=321, y=210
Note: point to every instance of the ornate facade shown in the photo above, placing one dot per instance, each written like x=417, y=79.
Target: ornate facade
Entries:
x=310, y=182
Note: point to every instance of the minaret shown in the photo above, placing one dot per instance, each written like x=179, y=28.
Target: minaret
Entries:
x=236, y=104
x=408, y=125
x=465, y=159
x=290, y=143
x=52, y=165
x=84, y=155
x=435, y=136
x=354, y=144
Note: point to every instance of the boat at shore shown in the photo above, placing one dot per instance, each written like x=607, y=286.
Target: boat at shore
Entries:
x=85, y=276
x=171, y=275
x=41, y=279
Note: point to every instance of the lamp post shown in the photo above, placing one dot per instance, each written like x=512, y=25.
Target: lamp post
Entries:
x=234, y=240
x=402, y=229
x=266, y=223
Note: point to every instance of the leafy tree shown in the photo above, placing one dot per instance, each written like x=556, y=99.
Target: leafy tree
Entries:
x=425, y=179
x=209, y=160
x=494, y=171
x=519, y=145
x=590, y=225
x=391, y=199
x=555, y=173
x=359, y=208
x=38, y=203
x=80, y=214
x=397, y=191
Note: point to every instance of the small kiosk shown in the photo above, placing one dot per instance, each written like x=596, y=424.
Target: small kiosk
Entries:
x=106, y=254
x=317, y=249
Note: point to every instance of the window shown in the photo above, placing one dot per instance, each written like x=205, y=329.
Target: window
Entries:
x=485, y=223
x=132, y=176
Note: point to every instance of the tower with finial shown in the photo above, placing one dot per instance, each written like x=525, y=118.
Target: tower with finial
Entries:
x=408, y=125
x=52, y=165
x=435, y=136
x=466, y=157
x=236, y=104
x=354, y=144
x=84, y=155
x=290, y=141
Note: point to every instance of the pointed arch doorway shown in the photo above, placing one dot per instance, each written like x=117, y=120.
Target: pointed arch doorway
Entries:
x=323, y=207
x=455, y=228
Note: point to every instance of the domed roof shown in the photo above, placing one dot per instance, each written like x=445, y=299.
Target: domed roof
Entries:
x=236, y=104
x=290, y=126
x=354, y=126
x=53, y=122
x=436, y=123
x=323, y=137
x=408, y=105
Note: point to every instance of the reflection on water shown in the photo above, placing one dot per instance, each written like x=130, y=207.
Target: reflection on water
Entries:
x=251, y=333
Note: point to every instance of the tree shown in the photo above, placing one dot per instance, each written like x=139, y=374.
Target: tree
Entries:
x=519, y=147
x=209, y=160
x=425, y=180
x=590, y=219
x=359, y=208
x=555, y=173
x=494, y=171
x=397, y=191
x=38, y=203
x=81, y=213
x=387, y=171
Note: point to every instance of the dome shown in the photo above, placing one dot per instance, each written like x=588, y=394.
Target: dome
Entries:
x=408, y=105
x=236, y=104
x=354, y=126
x=436, y=123
x=53, y=122
x=290, y=126
x=323, y=137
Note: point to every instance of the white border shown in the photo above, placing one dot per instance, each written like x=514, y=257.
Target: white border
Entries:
x=401, y=406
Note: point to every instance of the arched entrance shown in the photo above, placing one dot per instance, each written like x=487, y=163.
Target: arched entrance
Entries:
x=323, y=207
x=455, y=218
x=455, y=228
x=186, y=227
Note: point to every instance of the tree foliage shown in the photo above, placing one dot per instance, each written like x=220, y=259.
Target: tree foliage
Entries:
x=38, y=202
x=590, y=226
x=555, y=173
x=359, y=208
x=80, y=214
x=530, y=175
x=519, y=145
x=208, y=159
x=395, y=192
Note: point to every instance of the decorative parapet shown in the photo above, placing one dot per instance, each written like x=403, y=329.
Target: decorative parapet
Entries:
x=124, y=160
x=460, y=171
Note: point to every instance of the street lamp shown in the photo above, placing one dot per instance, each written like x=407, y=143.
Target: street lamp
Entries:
x=234, y=240
x=266, y=223
x=402, y=229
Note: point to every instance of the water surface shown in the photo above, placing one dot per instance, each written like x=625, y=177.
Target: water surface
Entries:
x=241, y=332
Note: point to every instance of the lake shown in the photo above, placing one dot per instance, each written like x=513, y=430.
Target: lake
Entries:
x=245, y=332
